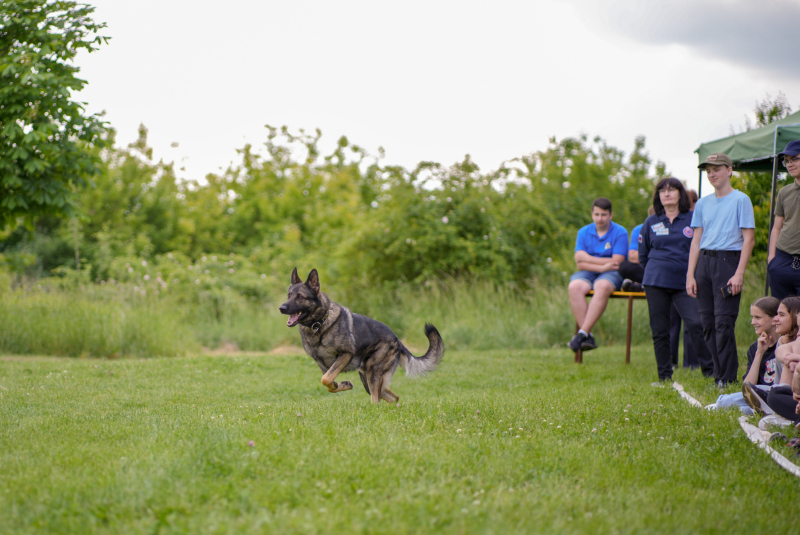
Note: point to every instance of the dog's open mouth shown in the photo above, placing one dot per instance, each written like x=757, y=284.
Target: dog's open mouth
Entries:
x=294, y=319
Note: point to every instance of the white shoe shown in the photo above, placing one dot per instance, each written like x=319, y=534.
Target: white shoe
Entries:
x=711, y=407
x=773, y=419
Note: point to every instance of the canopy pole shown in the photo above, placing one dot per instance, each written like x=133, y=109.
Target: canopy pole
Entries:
x=772, y=204
x=699, y=184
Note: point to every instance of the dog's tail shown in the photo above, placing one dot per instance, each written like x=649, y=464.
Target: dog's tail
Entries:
x=420, y=366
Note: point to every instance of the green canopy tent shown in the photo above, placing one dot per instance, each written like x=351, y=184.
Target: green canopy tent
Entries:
x=755, y=151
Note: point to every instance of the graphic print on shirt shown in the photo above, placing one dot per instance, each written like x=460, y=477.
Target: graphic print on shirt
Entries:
x=688, y=232
x=608, y=245
x=769, y=375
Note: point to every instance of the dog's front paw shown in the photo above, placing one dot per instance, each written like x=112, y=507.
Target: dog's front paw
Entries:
x=345, y=385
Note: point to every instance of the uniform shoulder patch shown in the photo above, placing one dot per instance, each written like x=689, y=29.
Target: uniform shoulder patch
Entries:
x=688, y=232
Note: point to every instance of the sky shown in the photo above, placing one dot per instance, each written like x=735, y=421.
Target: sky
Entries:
x=435, y=80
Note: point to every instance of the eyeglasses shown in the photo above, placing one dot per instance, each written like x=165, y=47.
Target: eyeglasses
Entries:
x=787, y=160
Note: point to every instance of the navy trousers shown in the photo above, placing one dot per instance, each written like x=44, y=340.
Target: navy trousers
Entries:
x=784, y=275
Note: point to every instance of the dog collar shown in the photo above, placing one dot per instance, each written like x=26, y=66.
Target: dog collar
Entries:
x=317, y=325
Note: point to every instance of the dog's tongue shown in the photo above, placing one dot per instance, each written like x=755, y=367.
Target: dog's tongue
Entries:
x=293, y=319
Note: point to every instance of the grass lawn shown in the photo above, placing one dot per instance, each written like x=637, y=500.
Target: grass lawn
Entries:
x=493, y=442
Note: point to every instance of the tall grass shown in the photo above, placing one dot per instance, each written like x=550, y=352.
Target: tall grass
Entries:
x=123, y=320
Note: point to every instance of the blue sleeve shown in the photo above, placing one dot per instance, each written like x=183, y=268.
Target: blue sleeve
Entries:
x=697, y=215
x=620, y=245
x=746, y=217
x=579, y=242
x=644, y=243
x=634, y=246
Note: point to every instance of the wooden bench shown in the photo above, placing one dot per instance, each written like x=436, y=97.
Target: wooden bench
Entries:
x=630, y=296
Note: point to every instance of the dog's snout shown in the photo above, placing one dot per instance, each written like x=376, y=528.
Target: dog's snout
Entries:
x=283, y=308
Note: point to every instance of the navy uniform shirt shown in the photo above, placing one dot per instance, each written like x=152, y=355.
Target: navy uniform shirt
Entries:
x=664, y=250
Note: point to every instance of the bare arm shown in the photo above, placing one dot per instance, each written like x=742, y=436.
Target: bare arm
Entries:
x=608, y=264
x=633, y=256
x=773, y=238
x=737, y=281
x=583, y=256
x=694, y=255
x=761, y=348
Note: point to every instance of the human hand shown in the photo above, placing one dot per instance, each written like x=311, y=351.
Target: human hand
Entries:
x=736, y=282
x=791, y=360
x=763, y=343
x=691, y=286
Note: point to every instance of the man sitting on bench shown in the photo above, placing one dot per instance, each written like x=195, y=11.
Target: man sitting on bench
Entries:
x=599, y=249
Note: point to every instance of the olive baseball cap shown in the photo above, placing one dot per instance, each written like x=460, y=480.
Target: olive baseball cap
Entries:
x=792, y=149
x=716, y=159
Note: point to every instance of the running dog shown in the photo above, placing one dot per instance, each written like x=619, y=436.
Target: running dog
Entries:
x=340, y=341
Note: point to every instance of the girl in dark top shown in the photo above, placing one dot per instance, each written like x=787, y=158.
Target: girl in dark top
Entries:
x=664, y=243
x=761, y=371
x=781, y=399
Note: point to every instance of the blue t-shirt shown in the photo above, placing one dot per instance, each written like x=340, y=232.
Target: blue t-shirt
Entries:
x=634, y=246
x=664, y=250
x=722, y=220
x=614, y=241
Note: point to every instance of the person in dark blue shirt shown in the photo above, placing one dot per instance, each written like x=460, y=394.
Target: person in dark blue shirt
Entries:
x=664, y=244
x=599, y=249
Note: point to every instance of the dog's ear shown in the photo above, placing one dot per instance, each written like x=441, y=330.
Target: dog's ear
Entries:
x=295, y=277
x=313, y=281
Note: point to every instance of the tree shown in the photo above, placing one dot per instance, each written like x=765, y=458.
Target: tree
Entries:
x=45, y=136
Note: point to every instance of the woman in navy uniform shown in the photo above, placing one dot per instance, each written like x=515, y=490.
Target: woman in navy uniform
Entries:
x=664, y=244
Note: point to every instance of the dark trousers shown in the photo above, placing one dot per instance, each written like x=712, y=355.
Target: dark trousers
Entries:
x=660, y=302
x=718, y=313
x=784, y=275
x=632, y=271
x=689, y=355
x=781, y=401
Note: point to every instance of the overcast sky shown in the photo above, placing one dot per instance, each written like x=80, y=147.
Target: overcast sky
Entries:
x=436, y=80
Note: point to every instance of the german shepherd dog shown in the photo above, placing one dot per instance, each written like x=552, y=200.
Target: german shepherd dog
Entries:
x=340, y=341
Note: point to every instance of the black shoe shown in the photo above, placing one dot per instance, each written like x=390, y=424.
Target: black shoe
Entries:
x=635, y=287
x=576, y=342
x=588, y=343
x=626, y=285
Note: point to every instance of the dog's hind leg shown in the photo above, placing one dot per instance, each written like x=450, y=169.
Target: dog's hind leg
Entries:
x=364, y=380
x=389, y=396
x=375, y=382
x=338, y=365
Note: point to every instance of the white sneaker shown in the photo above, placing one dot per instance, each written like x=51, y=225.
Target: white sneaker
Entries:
x=773, y=419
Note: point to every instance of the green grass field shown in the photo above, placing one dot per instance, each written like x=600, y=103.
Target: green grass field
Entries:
x=521, y=441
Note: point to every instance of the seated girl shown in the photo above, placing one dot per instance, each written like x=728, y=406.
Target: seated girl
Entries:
x=787, y=355
x=761, y=365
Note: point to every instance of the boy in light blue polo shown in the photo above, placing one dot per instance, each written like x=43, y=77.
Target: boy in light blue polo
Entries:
x=599, y=249
x=724, y=235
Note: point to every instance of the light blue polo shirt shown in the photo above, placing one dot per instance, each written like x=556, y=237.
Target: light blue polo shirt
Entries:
x=615, y=241
x=634, y=246
x=722, y=220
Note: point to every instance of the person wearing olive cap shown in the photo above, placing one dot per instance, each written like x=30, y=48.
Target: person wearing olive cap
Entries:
x=783, y=260
x=724, y=235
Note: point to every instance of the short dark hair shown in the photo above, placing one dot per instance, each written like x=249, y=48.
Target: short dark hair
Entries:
x=684, y=204
x=602, y=203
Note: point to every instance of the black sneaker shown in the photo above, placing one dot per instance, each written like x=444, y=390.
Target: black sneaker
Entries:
x=588, y=343
x=576, y=342
x=626, y=285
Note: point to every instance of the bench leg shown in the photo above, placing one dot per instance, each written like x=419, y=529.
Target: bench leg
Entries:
x=628, y=339
x=578, y=353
